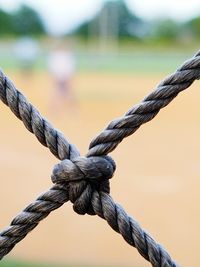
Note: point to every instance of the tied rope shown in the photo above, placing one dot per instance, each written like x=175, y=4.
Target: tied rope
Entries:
x=85, y=180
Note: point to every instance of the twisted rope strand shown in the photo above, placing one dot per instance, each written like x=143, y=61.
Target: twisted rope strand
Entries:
x=88, y=196
x=147, y=109
x=29, y=218
x=46, y=134
x=105, y=207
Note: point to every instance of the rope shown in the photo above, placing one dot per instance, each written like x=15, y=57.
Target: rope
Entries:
x=46, y=134
x=147, y=109
x=85, y=180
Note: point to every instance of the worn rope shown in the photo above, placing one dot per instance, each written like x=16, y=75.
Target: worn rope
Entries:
x=147, y=109
x=46, y=134
x=85, y=180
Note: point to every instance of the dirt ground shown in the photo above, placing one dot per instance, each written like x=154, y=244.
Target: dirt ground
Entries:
x=157, y=179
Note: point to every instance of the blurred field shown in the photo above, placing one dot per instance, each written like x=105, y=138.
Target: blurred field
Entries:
x=133, y=59
x=157, y=177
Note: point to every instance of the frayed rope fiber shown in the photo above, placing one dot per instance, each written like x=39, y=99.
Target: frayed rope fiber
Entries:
x=85, y=180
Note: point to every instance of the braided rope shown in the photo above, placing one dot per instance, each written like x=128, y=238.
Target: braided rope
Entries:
x=85, y=180
x=46, y=134
x=147, y=109
x=29, y=218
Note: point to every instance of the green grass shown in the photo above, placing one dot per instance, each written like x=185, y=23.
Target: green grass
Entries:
x=20, y=264
x=136, y=61
x=16, y=263
x=11, y=263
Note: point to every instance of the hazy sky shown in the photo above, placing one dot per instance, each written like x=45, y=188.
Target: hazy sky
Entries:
x=63, y=15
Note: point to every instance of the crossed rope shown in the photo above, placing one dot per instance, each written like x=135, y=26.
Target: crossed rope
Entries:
x=85, y=180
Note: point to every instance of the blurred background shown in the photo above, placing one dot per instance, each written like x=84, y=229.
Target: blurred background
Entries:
x=83, y=63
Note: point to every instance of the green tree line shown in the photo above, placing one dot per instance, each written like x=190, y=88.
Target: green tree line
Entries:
x=113, y=21
x=122, y=23
x=23, y=21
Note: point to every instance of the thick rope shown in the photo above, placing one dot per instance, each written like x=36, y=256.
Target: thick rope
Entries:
x=29, y=218
x=46, y=134
x=85, y=181
x=147, y=109
x=133, y=234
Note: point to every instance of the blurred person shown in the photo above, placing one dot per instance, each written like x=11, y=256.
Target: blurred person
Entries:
x=26, y=50
x=62, y=68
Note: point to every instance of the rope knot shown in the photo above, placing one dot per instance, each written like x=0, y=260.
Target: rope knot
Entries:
x=84, y=168
x=84, y=176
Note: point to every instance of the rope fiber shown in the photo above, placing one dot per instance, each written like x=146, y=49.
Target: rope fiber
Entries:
x=85, y=180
